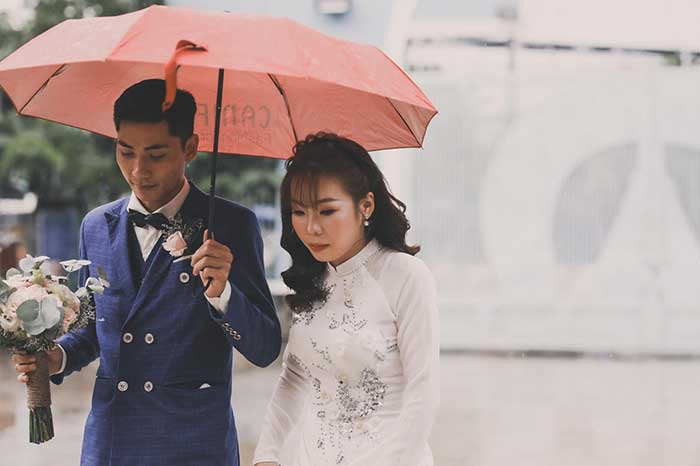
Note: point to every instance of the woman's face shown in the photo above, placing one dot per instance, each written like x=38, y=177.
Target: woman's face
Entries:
x=332, y=227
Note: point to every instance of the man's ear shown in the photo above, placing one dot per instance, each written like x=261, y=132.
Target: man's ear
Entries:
x=191, y=147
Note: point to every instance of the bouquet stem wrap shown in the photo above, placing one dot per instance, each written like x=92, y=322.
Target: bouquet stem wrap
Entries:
x=39, y=402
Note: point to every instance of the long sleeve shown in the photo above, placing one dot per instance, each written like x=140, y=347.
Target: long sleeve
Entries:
x=283, y=411
x=81, y=347
x=419, y=347
x=249, y=320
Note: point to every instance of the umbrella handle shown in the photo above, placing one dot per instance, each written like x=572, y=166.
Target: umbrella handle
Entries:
x=206, y=287
x=171, y=71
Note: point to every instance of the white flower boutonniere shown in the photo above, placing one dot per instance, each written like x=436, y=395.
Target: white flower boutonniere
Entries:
x=175, y=244
x=182, y=237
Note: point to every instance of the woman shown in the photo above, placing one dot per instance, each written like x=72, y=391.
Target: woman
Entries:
x=360, y=374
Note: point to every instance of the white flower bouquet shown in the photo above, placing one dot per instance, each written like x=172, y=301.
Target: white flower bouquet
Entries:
x=36, y=307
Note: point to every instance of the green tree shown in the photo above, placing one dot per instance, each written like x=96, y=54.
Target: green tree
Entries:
x=66, y=166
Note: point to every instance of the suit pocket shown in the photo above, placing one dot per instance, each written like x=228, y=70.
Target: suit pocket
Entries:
x=189, y=400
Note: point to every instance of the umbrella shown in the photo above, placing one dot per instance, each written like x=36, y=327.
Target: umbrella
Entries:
x=261, y=83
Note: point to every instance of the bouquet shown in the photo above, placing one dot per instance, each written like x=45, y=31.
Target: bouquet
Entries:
x=36, y=307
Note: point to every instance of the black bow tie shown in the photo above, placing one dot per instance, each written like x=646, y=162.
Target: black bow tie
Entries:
x=157, y=221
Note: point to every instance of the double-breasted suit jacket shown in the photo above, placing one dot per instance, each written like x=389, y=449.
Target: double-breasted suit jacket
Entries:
x=163, y=387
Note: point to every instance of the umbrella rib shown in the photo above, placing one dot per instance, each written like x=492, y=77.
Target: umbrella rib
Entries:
x=404, y=122
x=58, y=71
x=286, y=104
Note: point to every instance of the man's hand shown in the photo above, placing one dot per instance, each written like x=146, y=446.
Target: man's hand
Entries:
x=212, y=261
x=26, y=363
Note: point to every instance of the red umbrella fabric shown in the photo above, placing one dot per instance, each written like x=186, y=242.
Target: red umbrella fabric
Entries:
x=280, y=80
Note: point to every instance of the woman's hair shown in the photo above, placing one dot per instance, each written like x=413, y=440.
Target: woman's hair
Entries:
x=330, y=155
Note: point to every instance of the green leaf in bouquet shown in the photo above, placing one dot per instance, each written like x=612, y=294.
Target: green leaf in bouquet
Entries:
x=103, y=276
x=5, y=291
x=35, y=327
x=55, y=331
x=28, y=311
x=26, y=264
x=74, y=265
x=46, y=269
x=30, y=263
x=51, y=313
x=95, y=285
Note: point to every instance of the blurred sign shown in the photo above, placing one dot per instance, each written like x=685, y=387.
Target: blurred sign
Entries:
x=639, y=24
x=24, y=206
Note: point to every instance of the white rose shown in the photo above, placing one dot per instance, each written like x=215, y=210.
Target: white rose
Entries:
x=66, y=296
x=8, y=320
x=18, y=281
x=175, y=244
x=34, y=292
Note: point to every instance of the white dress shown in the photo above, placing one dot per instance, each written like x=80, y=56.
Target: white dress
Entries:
x=360, y=382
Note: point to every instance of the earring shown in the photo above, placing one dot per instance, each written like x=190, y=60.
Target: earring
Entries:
x=366, y=221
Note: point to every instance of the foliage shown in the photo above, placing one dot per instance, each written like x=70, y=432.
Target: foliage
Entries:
x=66, y=166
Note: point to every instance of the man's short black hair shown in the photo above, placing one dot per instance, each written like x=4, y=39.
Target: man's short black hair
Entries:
x=143, y=103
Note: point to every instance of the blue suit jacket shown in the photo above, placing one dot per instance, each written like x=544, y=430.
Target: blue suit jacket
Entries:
x=161, y=337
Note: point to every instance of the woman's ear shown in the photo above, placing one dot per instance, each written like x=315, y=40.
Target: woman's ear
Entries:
x=367, y=205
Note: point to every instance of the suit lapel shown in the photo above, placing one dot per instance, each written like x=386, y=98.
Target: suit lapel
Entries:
x=196, y=206
x=117, y=225
x=162, y=261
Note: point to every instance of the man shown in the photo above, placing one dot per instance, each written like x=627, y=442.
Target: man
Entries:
x=163, y=388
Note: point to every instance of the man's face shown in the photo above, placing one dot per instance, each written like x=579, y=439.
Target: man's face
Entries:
x=152, y=161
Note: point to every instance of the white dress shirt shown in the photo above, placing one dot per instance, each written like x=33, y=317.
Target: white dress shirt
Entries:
x=148, y=236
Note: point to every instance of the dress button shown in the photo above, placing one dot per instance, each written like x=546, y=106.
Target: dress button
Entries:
x=149, y=338
x=122, y=386
x=148, y=386
x=128, y=337
x=184, y=277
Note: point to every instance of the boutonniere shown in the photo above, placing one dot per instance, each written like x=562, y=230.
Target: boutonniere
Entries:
x=182, y=237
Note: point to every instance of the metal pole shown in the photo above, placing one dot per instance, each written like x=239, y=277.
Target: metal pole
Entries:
x=214, y=157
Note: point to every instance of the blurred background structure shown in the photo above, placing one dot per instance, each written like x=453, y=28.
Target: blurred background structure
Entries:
x=557, y=201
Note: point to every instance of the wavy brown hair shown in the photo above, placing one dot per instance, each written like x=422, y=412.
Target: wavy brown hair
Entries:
x=330, y=155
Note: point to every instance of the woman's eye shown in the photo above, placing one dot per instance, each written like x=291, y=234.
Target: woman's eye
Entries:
x=127, y=155
x=328, y=212
x=298, y=213
x=157, y=156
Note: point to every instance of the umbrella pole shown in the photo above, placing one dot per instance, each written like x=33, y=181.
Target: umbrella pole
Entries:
x=214, y=157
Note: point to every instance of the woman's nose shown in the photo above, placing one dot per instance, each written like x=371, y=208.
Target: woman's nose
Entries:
x=312, y=226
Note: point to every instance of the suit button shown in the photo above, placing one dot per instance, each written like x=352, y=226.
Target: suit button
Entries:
x=149, y=338
x=184, y=277
x=127, y=338
x=148, y=386
x=122, y=386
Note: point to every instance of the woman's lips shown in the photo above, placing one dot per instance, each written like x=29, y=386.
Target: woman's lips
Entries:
x=317, y=247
